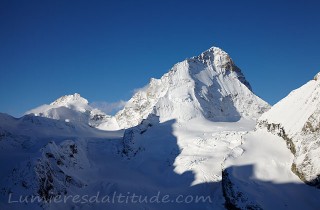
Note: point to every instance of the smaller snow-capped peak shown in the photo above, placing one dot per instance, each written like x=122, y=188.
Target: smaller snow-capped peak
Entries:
x=68, y=100
x=74, y=108
x=74, y=102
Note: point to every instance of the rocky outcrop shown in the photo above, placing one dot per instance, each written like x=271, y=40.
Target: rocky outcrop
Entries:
x=278, y=129
x=305, y=146
x=56, y=170
x=132, y=137
x=235, y=199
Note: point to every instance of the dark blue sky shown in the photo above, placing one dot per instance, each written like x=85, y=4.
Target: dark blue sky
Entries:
x=105, y=49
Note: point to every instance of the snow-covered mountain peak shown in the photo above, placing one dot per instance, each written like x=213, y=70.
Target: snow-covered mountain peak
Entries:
x=73, y=102
x=218, y=57
x=70, y=99
x=220, y=62
x=208, y=86
x=214, y=53
x=215, y=56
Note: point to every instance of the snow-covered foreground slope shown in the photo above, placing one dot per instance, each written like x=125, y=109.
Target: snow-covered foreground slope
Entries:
x=178, y=160
x=208, y=86
x=296, y=118
x=42, y=156
x=181, y=163
x=257, y=175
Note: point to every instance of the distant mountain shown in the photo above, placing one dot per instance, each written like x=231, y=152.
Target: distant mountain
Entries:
x=74, y=108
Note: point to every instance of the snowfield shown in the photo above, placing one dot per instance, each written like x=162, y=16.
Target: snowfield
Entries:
x=197, y=138
x=174, y=159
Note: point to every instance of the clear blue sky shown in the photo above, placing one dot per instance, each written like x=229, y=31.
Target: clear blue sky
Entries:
x=105, y=49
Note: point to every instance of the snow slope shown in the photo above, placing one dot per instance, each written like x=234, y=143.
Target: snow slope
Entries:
x=297, y=119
